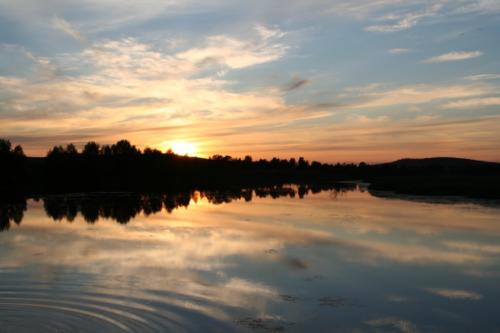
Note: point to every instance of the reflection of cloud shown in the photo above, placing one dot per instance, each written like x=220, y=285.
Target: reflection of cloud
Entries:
x=202, y=248
x=420, y=218
x=490, y=249
x=455, y=294
x=482, y=273
x=373, y=251
x=296, y=264
x=403, y=326
x=397, y=298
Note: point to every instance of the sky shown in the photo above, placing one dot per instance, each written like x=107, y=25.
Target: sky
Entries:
x=334, y=81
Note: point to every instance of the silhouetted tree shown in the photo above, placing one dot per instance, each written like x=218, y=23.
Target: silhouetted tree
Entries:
x=56, y=151
x=91, y=149
x=123, y=147
x=106, y=150
x=71, y=150
x=152, y=152
x=303, y=163
x=12, y=168
x=5, y=146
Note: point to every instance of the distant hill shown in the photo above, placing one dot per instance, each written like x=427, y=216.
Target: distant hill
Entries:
x=440, y=176
x=442, y=162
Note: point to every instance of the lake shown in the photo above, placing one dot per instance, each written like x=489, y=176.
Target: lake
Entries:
x=286, y=259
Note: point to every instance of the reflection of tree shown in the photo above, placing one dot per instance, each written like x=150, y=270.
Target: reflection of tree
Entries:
x=123, y=207
x=61, y=207
x=303, y=190
x=151, y=204
x=275, y=192
x=90, y=207
x=12, y=211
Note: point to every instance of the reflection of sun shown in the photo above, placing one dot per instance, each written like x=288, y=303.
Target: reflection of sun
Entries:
x=183, y=148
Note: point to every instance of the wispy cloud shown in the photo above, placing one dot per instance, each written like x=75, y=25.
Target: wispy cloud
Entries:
x=67, y=28
x=234, y=53
x=477, y=6
x=398, y=22
x=214, y=80
x=295, y=83
x=379, y=97
x=473, y=103
x=481, y=77
x=398, y=51
x=128, y=85
x=267, y=32
x=453, y=56
x=362, y=9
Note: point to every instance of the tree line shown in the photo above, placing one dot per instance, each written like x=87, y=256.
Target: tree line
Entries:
x=122, y=167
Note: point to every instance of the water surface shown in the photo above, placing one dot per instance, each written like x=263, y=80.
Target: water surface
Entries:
x=336, y=260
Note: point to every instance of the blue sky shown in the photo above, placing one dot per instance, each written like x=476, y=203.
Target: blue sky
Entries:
x=329, y=80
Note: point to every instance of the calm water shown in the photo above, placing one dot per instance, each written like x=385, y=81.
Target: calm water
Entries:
x=333, y=261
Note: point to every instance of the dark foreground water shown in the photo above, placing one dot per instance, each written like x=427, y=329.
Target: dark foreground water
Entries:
x=334, y=261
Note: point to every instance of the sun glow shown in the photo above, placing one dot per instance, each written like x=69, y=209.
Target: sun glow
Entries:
x=183, y=148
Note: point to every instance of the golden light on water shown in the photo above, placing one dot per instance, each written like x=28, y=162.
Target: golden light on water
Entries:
x=183, y=148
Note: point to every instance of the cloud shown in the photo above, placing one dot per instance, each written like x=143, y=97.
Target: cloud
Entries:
x=26, y=64
x=94, y=16
x=127, y=85
x=266, y=32
x=132, y=89
x=453, y=56
x=398, y=51
x=375, y=97
x=193, y=81
x=67, y=28
x=481, y=77
x=362, y=9
x=295, y=83
x=477, y=7
x=236, y=54
x=455, y=294
x=398, y=22
x=473, y=103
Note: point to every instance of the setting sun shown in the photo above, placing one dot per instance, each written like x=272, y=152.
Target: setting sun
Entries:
x=183, y=148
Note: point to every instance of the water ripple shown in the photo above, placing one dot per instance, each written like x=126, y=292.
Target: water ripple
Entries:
x=28, y=306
